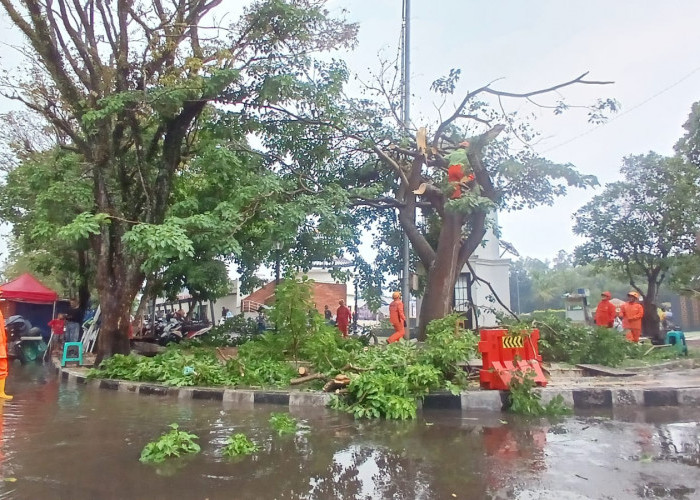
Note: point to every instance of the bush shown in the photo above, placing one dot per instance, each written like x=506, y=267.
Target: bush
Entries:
x=567, y=342
x=283, y=423
x=171, y=444
x=524, y=401
x=448, y=344
x=239, y=444
x=391, y=380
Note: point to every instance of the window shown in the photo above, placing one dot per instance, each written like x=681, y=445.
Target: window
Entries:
x=463, y=297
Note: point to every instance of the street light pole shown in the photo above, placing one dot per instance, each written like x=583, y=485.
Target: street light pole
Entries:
x=405, y=117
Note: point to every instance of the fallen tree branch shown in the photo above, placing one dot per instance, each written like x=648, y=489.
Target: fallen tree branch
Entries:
x=307, y=378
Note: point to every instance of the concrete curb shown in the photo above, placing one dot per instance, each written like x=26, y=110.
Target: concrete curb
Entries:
x=581, y=398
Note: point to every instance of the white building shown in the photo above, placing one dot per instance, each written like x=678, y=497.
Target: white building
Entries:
x=488, y=265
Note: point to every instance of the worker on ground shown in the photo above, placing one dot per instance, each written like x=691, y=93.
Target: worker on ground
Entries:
x=342, y=318
x=606, y=311
x=3, y=359
x=631, y=313
x=397, y=318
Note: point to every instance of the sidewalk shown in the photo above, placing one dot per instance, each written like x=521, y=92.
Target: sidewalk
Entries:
x=649, y=388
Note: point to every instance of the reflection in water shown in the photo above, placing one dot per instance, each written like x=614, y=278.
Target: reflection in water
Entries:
x=82, y=443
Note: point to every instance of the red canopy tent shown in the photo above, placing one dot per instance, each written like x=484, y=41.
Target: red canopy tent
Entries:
x=29, y=298
x=27, y=288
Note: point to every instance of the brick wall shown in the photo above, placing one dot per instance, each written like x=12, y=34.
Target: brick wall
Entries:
x=323, y=294
x=328, y=294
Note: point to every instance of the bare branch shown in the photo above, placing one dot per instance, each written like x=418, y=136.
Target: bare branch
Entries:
x=495, y=295
x=488, y=90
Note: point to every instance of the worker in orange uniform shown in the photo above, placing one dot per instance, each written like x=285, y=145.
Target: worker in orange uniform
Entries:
x=455, y=176
x=397, y=318
x=631, y=313
x=606, y=311
x=342, y=318
x=3, y=359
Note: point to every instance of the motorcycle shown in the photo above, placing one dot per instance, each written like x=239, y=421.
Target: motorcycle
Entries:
x=24, y=342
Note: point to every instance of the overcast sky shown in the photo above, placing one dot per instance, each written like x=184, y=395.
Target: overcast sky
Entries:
x=650, y=49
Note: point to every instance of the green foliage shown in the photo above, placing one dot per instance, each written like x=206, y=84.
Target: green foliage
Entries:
x=239, y=444
x=174, y=367
x=327, y=351
x=199, y=366
x=261, y=372
x=174, y=443
x=283, y=423
x=524, y=401
x=159, y=243
x=389, y=384
x=561, y=340
x=688, y=146
x=294, y=314
x=447, y=344
x=84, y=225
x=233, y=332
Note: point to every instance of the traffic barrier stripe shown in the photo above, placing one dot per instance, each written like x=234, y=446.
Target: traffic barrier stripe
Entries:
x=512, y=341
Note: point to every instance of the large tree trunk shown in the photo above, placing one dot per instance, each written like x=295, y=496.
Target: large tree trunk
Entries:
x=118, y=281
x=651, y=322
x=442, y=273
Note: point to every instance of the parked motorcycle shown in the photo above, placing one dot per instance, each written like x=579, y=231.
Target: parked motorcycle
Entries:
x=24, y=342
x=171, y=329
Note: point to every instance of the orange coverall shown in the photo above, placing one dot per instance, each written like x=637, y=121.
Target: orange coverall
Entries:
x=605, y=313
x=342, y=319
x=397, y=318
x=631, y=314
x=3, y=348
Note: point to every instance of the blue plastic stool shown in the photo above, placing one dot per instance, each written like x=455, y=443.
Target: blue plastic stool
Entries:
x=67, y=346
x=677, y=340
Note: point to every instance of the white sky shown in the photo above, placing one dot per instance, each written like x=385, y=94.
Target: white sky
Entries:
x=650, y=49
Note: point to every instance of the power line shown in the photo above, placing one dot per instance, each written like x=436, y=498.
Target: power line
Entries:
x=620, y=115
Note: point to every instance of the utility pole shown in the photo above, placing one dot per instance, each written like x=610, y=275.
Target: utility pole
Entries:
x=405, y=117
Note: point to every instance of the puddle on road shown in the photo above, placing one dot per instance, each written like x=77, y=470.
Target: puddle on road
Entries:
x=81, y=443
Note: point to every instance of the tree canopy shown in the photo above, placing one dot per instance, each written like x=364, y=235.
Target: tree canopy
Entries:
x=644, y=225
x=126, y=87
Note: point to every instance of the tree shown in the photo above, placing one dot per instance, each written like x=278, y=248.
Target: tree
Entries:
x=390, y=169
x=688, y=146
x=542, y=284
x=42, y=193
x=643, y=225
x=127, y=82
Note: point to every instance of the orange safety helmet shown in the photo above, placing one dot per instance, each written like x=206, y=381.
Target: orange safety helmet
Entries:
x=633, y=294
x=606, y=294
